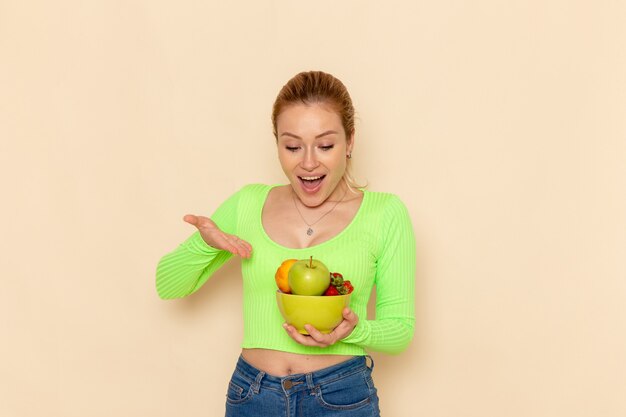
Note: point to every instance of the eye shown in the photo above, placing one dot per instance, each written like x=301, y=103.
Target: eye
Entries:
x=291, y=148
x=327, y=147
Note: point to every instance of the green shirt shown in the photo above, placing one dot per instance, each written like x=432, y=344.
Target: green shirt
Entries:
x=376, y=248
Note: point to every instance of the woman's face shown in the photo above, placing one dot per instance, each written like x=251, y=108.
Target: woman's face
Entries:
x=312, y=149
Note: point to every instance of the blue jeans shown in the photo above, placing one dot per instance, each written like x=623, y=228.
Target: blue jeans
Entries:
x=345, y=389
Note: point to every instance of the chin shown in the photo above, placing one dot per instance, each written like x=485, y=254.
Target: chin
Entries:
x=311, y=201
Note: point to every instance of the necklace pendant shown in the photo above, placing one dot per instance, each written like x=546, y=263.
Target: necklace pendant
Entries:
x=309, y=231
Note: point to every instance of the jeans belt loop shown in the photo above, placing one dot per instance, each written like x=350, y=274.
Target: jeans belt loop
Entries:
x=309, y=381
x=257, y=382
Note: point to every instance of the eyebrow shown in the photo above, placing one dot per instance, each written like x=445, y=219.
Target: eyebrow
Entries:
x=328, y=132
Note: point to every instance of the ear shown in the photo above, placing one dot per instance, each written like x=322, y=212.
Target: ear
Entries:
x=349, y=143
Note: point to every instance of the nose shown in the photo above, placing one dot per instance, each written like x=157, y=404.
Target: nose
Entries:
x=309, y=161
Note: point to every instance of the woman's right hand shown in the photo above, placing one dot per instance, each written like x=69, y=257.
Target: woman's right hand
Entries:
x=214, y=237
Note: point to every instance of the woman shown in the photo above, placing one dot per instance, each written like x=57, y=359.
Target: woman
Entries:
x=367, y=236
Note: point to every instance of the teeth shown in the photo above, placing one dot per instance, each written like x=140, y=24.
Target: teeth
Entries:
x=311, y=178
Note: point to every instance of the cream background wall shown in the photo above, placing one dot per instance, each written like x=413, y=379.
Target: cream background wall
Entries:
x=500, y=124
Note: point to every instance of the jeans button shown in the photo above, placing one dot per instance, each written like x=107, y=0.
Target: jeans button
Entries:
x=287, y=384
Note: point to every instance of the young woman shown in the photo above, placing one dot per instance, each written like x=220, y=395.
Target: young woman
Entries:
x=367, y=236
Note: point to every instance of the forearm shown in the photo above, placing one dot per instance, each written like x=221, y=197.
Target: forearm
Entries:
x=184, y=270
x=391, y=335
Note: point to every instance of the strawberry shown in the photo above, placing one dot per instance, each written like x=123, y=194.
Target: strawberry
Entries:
x=336, y=279
x=348, y=286
x=331, y=291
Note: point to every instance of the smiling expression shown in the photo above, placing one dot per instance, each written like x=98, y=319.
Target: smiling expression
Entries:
x=312, y=149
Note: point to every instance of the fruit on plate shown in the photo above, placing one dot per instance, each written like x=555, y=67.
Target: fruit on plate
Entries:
x=348, y=287
x=338, y=286
x=323, y=313
x=331, y=291
x=308, y=277
x=282, y=275
x=336, y=279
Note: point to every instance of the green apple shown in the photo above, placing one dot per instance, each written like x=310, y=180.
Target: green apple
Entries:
x=308, y=277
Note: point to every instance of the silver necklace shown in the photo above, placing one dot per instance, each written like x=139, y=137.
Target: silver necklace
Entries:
x=310, y=230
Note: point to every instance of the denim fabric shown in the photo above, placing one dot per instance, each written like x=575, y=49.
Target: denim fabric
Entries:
x=345, y=389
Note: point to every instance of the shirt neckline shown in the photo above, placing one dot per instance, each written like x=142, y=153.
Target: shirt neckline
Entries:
x=321, y=244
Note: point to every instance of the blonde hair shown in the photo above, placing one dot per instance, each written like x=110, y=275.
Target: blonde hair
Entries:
x=319, y=87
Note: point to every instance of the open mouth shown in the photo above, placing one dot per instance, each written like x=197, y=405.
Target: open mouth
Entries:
x=312, y=183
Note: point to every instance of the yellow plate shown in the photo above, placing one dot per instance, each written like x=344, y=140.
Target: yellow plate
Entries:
x=322, y=312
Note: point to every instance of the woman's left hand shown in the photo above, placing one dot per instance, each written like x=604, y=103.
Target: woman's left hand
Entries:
x=317, y=338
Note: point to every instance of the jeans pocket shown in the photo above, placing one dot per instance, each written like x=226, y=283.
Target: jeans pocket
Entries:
x=239, y=389
x=347, y=393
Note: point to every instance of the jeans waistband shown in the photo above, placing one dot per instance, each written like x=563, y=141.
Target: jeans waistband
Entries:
x=295, y=382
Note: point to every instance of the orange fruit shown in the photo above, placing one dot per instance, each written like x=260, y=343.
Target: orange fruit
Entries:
x=282, y=275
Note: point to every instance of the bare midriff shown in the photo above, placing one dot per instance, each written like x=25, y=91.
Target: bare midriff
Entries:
x=275, y=362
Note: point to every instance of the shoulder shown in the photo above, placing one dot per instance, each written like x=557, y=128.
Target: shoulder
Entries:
x=384, y=202
x=253, y=190
x=394, y=223
x=256, y=187
x=388, y=211
x=246, y=194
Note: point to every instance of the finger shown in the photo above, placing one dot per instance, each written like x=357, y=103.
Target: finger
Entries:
x=226, y=244
x=319, y=337
x=247, y=248
x=247, y=245
x=346, y=327
x=246, y=253
x=191, y=219
x=239, y=247
x=300, y=338
x=350, y=316
x=244, y=249
x=343, y=330
x=202, y=223
x=206, y=223
x=293, y=333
